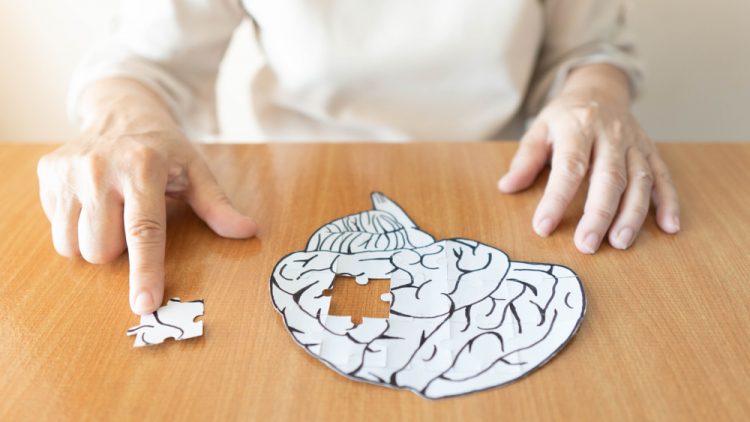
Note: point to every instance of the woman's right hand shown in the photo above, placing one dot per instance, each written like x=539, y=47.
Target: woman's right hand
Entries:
x=106, y=191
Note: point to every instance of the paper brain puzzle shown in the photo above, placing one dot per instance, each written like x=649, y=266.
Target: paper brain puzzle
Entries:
x=463, y=317
x=174, y=320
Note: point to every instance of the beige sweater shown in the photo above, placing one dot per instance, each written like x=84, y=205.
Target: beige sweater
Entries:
x=365, y=69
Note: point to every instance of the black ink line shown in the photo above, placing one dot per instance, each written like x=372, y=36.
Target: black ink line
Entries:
x=306, y=261
x=515, y=316
x=470, y=246
x=434, y=352
x=467, y=314
x=529, y=285
x=130, y=330
x=156, y=317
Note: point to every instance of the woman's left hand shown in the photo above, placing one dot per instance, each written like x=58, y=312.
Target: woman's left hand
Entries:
x=582, y=134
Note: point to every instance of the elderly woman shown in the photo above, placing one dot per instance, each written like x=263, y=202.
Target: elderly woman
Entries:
x=347, y=69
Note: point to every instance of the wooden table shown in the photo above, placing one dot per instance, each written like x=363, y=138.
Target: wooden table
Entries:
x=667, y=334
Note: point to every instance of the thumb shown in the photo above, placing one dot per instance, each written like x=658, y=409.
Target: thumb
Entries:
x=211, y=204
x=529, y=160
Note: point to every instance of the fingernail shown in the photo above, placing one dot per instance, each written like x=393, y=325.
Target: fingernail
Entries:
x=253, y=227
x=591, y=243
x=143, y=302
x=676, y=223
x=544, y=228
x=503, y=182
x=624, y=238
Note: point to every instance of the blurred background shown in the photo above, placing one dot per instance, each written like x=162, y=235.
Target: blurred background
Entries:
x=697, y=56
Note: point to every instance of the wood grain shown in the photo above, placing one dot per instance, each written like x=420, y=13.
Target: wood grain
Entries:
x=666, y=337
x=348, y=298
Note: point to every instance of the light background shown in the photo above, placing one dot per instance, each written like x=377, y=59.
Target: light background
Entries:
x=697, y=56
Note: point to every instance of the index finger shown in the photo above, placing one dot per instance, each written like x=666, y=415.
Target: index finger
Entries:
x=145, y=216
x=570, y=160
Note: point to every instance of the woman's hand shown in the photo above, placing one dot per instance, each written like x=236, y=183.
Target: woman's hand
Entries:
x=107, y=190
x=591, y=131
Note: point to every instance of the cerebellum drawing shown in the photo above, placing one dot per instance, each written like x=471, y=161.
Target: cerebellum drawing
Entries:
x=463, y=317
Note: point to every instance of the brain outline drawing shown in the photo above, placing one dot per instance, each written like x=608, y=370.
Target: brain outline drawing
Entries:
x=463, y=316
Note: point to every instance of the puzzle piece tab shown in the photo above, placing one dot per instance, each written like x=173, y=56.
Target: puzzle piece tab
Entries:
x=356, y=297
x=174, y=320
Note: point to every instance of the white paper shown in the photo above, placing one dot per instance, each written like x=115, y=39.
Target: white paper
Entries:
x=174, y=320
x=463, y=317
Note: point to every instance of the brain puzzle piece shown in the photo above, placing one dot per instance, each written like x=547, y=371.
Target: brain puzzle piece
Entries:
x=174, y=320
x=359, y=298
x=442, y=318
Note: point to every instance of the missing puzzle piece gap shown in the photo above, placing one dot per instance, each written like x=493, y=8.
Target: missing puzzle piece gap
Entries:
x=174, y=320
x=362, y=280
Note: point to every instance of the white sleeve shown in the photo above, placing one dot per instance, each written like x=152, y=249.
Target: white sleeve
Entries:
x=174, y=47
x=580, y=32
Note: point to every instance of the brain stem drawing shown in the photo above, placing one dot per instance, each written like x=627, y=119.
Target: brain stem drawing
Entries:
x=463, y=317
